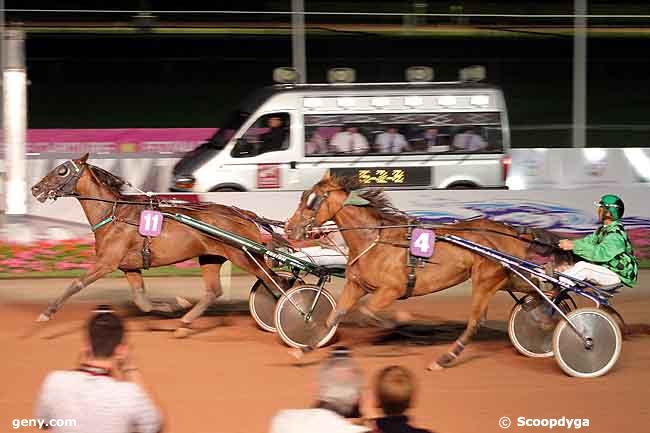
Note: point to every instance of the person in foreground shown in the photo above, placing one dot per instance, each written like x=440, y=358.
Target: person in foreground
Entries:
x=339, y=392
x=393, y=394
x=607, y=255
x=106, y=393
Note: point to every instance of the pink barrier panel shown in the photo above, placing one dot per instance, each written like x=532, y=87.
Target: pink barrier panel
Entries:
x=131, y=140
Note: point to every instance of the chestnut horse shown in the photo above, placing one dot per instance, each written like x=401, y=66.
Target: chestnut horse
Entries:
x=118, y=244
x=376, y=233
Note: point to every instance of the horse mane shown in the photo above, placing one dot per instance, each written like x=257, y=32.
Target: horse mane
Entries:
x=379, y=201
x=108, y=179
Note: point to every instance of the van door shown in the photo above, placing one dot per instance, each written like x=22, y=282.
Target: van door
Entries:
x=261, y=157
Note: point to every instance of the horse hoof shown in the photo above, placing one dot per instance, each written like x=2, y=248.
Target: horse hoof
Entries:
x=403, y=317
x=297, y=354
x=434, y=366
x=184, y=303
x=182, y=332
x=43, y=318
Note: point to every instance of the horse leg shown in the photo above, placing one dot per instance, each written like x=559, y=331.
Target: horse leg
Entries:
x=93, y=274
x=379, y=301
x=350, y=295
x=210, y=268
x=487, y=279
x=143, y=302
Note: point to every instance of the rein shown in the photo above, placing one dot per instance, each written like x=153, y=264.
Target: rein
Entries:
x=445, y=227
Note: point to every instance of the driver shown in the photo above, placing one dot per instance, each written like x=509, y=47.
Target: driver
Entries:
x=607, y=255
x=275, y=137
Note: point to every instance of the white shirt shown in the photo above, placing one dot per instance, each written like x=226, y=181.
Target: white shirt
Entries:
x=98, y=404
x=317, y=144
x=312, y=421
x=469, y=141
x=390, y=143
x=347, y=142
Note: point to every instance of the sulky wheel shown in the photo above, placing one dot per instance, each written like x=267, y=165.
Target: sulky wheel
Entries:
x=532, y=323
x=262, y=300
x=296, y=326
x=599, y=354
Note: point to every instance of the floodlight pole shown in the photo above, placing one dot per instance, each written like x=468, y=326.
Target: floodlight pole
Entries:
x=580, y=74
x=298, y=39
x=14, y=101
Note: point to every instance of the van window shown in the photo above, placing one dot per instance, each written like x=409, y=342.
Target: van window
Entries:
x=268, y=133
x=416, y=133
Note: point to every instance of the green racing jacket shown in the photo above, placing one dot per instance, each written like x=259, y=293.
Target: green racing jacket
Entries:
x=610, y=247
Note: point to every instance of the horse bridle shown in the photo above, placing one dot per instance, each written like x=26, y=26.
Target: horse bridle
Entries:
x=67, y=188
x=314, y=204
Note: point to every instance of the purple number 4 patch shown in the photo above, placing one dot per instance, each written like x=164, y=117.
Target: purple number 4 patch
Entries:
x=422, y=242
x=151, y=222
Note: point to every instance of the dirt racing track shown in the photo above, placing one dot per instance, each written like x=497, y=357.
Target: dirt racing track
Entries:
x=232, y=377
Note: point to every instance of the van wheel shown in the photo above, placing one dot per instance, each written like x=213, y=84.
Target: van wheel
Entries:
x=226, y=189
x=463, y=185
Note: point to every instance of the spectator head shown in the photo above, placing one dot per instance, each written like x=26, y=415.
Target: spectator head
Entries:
x=351, y=128
x=394, y=389
x=392, y=129
x=339, y=384
x=105, y=332
x=275, y=122
x=432, y=132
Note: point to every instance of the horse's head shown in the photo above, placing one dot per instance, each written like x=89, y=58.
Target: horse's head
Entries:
x=62, y=181
x=320, y=204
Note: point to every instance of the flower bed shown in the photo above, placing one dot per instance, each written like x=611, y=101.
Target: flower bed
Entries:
x=52, y=257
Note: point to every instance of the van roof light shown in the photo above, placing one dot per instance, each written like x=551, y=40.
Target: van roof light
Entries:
x=285, y=75
x=341, y=75
x=472, y=73
x=419, y=74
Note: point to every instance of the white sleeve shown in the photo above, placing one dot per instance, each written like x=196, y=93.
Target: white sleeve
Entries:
x=279, y=423
x=403, y=143
x=43, y=410
x=145, y=416
x=457, y=141
x=335, y=142
x=362, y=143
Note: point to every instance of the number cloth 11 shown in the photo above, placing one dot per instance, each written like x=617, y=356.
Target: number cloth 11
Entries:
x=422, y=242
x=151, y=222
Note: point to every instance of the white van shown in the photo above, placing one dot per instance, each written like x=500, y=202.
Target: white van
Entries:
x=412, y=134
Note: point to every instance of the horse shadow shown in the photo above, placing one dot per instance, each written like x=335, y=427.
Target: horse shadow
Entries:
x=432, y=334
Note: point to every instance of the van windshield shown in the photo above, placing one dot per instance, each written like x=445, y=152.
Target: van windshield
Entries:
x=219, y=140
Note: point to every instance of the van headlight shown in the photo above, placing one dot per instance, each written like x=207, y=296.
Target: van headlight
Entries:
x=184, y=182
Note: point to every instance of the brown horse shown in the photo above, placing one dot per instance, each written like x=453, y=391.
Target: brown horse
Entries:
x=376, y=233
x=118, y=244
